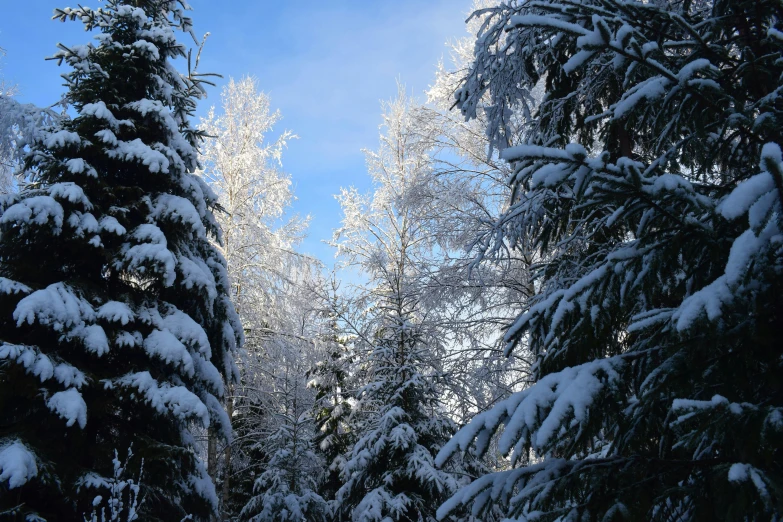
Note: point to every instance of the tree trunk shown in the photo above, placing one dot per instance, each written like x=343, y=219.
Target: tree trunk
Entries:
x=227, y=450
x=212, y=453
x=212, y=457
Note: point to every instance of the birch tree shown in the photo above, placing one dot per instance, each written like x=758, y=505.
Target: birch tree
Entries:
x=20, y=125
x=243, y=167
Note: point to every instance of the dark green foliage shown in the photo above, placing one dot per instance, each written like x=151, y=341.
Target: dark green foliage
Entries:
x=331, y=380
x=114, y=315
x=389, y=472
x=649, y=190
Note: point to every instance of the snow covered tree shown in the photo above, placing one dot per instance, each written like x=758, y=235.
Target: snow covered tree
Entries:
x=243, y=168
x=19, y=125
x=331, y=380
x=466, y=192
x=271, y=400
x=116, y=322
x=6, y=150
x=649, y=184
x=389, y=473
x=398, y=422
x=286, y=489
x=258, y=242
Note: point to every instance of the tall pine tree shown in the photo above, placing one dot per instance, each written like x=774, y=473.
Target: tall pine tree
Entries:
x=649, y=188
x=115, y=321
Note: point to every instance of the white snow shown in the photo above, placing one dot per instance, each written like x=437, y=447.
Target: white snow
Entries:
x=83, y=224
x=136, y=13
x=78, y=166
x=740, y=472
x=203, y=484
x=550, y=175
x=68, y=376
x=37, y=210
x=709, y=300
x=188, y=330
x=713, y=297
x=61, y=138
x=54, y=305
x=128, y=339
x=40, y=365
x=166, y=398
x=70, y=192
x=107, y=136
x=8, y=286
x=519, y=152
x=196, y=273
x=177, y=210
x=111, y=225
x=163, y=344
x=100, y=111
x=536, y=414
x=116, y=312
x=138, y=150
x=69, y=405
x=649, y=89
x=745, y=195
x=566, y=295
x=137, y=257
x=775, y=419
x=668, y=183
x=17, y=464
x=691, y=68
x=771, y=155
x=150, y=233
x=547, y=21
x=93, y=338
x=159, y=111
x=577, y=60
x=93, y=481
x=30, y=357
x=147, y=49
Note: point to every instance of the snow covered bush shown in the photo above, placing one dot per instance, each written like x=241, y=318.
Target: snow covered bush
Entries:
x=649, y=183
x=115, y=319
x=123, y=494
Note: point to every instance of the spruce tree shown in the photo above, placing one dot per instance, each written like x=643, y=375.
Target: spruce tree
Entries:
x=286, y=491
x=117, y=330
x=331, y=379
x=389, y=474
x=275, y=471
x=649, y=190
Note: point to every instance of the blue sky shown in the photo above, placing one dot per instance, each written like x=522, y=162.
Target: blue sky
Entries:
x=325, y=64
